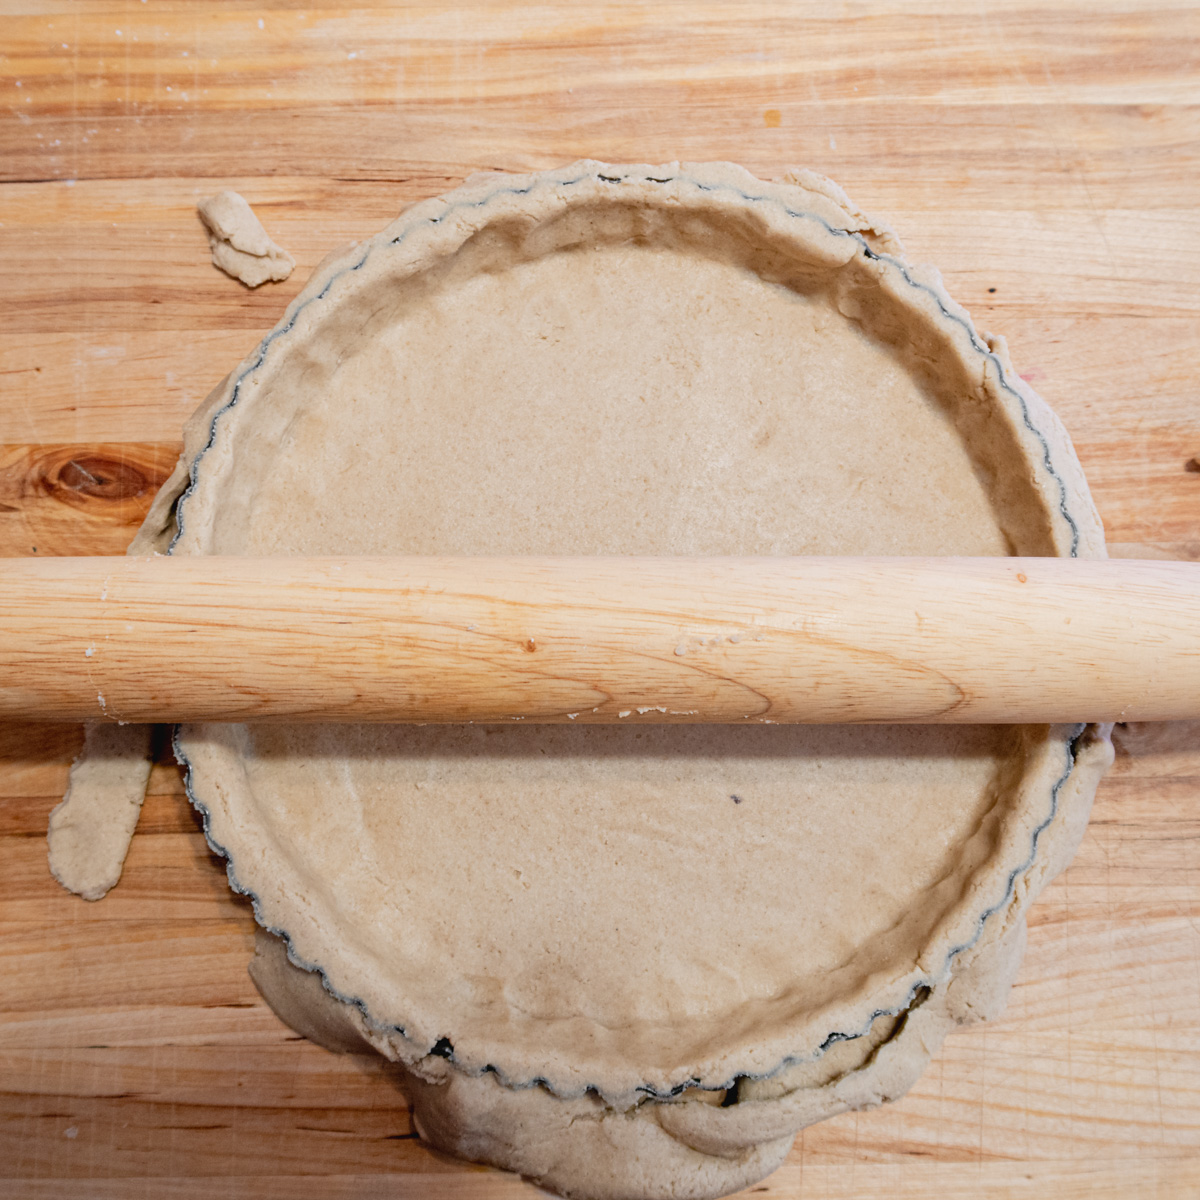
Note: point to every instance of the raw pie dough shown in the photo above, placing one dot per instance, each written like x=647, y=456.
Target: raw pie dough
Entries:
x=633, y=960
x=240, y=245
x=91, y=829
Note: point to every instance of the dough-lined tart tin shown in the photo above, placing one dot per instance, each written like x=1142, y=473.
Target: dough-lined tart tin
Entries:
x=698, y=938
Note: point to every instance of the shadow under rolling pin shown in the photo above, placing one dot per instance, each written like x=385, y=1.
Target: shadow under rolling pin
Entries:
x=954, y=640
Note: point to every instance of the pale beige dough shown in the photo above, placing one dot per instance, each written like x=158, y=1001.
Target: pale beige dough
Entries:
x=240, y=245
x=570, y=940
x=91, y=829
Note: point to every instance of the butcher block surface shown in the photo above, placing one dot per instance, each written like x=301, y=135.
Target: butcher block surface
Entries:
x=1046, y=156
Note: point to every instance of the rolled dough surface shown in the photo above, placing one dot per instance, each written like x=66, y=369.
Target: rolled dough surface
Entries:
x=627, y=360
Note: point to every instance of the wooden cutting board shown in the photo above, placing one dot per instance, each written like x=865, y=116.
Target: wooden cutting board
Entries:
x=1045, y=155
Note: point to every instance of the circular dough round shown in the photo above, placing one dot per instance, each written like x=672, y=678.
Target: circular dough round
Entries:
x=602, y=360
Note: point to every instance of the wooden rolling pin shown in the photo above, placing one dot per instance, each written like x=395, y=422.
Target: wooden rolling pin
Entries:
x=599, y=639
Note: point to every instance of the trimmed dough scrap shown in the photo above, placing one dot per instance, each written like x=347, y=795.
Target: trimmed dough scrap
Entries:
x=91, y=829
x=240, y=245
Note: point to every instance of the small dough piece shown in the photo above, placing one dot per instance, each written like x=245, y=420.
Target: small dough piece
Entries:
x=880, y=237
x=91, y=829
x=240, y=245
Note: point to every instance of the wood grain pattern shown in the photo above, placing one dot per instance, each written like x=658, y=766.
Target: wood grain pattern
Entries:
x=80, y=498
x=1049, y=149
x=595, y=640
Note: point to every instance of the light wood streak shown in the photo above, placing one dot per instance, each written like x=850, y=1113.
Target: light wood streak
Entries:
x=679, y=640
